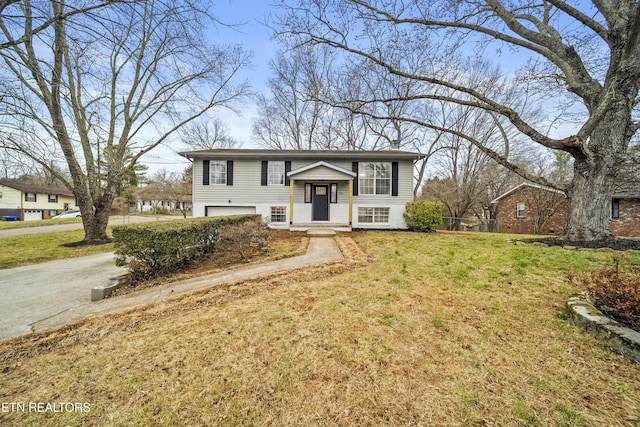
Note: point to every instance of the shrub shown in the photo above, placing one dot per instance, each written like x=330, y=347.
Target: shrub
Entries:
x=155, y=248
x=244, y=240
x=616, y=293
x=423, y=215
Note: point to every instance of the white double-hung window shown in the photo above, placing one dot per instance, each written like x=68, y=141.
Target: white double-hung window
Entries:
x=375, y=178
x=275, y=173
x=218, y=172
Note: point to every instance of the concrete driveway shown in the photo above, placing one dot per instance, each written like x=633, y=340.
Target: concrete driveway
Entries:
x=35, y=292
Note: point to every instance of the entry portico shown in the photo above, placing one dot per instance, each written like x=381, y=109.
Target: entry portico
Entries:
x=318, y=187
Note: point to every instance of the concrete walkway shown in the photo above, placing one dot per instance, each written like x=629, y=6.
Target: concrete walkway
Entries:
x=39, y=304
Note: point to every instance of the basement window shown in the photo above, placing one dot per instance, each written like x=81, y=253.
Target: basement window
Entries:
x=278, y=214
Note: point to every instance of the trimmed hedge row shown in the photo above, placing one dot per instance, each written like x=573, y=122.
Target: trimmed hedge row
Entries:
x=152, y=248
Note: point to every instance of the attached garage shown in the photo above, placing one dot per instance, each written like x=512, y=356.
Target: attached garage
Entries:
x=32, y=215
x=229, y=210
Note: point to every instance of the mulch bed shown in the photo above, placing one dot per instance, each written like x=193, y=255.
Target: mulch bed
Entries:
x=615, y=243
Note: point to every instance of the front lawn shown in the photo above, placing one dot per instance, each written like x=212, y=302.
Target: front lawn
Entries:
x=437, y=329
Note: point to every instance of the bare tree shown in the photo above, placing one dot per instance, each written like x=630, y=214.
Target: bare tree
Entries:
x=588, y=52
x=292, y=117
x=93, y=88
x=207, y=135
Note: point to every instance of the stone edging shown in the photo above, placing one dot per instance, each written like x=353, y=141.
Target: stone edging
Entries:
x=621, y=339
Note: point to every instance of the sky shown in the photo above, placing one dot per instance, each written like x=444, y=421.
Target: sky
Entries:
x=253, y=34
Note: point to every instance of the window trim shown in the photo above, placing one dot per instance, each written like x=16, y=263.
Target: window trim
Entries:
x=276, y=174
x=55, y=198
x=615, y=208
x=308, y=193
x=282, y=215
x=333, y=192
x=223, y=172
x=363, y=170
x=377, y=212
x=521, y=207
x=26, y=197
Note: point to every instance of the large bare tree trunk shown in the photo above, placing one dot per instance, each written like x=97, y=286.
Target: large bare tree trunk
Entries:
x=595, y=174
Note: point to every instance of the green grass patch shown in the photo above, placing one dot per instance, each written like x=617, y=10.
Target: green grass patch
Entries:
x=9, y=225
x=35, y=248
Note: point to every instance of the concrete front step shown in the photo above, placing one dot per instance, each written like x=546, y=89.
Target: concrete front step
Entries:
x=320, y=232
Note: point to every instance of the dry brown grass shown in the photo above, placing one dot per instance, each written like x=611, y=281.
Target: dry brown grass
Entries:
x=445, y=329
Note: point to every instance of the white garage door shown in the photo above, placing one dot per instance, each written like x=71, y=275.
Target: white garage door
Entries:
x=230, y=210
x=32, y=215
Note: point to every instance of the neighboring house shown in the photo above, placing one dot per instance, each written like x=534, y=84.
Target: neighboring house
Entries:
x=289, y=188
x=534, y=209
x=33, y=202
x=625, y=210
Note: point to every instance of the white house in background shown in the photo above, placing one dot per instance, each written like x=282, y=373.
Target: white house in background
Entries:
x=304, y=188
x=32, y=202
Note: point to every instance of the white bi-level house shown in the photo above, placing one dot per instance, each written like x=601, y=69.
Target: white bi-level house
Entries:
x=305, y=188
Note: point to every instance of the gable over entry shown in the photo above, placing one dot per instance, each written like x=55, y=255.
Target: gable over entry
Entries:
x=321, y=183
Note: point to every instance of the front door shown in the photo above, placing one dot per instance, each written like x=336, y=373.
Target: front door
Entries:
x=320, y=203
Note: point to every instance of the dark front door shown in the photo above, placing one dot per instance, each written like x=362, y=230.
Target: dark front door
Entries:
x=320, y=203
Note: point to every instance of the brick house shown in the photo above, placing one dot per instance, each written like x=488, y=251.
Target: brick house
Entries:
x=625, y=210
x=534, y=209
x=531, y=209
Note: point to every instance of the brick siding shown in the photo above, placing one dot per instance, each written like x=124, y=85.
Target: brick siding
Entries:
x=507, y=217
x=628, y=225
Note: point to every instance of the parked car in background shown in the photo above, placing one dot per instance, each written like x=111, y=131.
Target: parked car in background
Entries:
x=74, y=213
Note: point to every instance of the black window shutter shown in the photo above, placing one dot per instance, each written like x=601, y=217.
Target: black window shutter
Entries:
x=394, y=178
x=265, y=166
x=205, y=172
x=287, y=169
x=229, y=172
x=354, y=168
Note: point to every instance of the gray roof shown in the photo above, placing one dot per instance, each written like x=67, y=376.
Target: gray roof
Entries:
x=39, y=189
x=241, y=153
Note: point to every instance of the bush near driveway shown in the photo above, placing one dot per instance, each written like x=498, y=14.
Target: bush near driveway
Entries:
x=154, y=248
